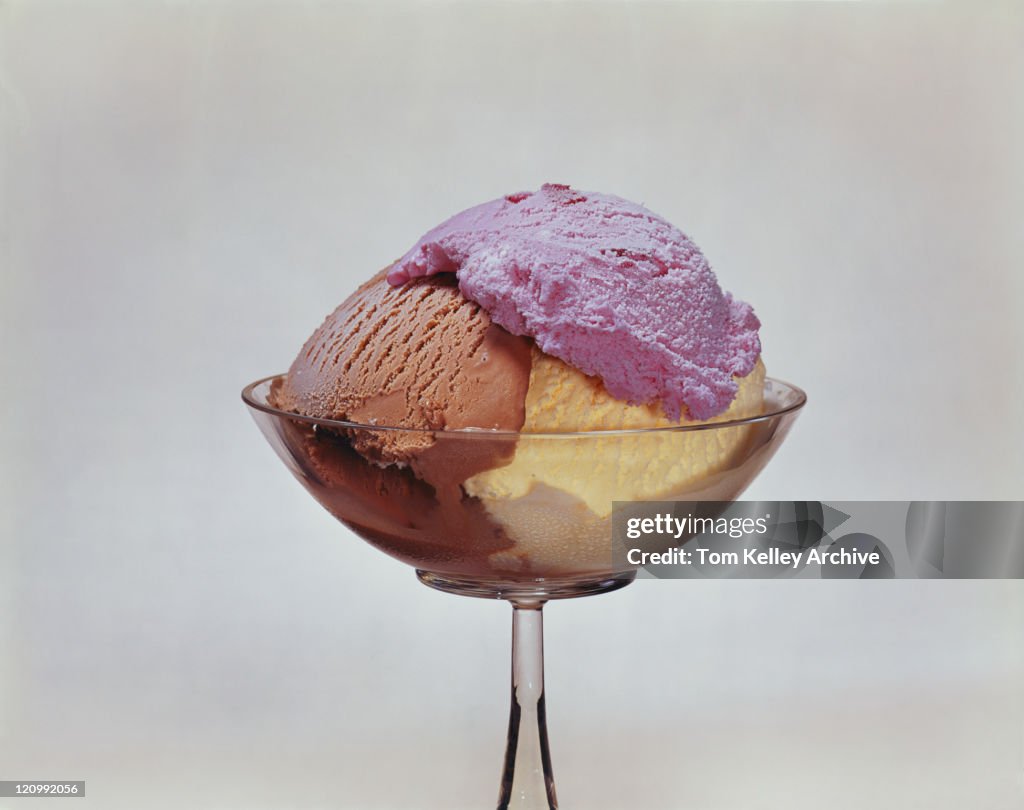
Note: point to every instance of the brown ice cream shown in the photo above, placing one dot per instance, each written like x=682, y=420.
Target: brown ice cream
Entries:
x=436, y=527
x=419, y=356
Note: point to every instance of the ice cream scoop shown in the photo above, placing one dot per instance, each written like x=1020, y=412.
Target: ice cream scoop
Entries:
x=605, y=285
x=422, y=357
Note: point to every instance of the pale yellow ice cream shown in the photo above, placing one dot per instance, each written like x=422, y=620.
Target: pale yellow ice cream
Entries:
x=554, y=499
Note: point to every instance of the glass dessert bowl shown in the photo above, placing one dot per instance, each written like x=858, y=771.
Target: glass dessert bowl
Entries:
x=521, y=516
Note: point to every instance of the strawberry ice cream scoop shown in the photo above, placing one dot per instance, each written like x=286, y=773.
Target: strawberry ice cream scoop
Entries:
x=605, y=285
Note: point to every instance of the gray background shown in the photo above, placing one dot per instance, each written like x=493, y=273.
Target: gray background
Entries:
x=188, y=188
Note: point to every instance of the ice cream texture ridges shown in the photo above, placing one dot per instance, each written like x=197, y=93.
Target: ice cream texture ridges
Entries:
x=605, y=285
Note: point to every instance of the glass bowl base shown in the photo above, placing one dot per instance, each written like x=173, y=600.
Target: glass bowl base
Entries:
x=526, y=591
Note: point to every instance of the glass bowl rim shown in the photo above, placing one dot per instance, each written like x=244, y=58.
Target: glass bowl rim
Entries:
x=249, y=398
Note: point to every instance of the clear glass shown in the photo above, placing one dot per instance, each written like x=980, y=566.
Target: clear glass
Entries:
x=524, y=517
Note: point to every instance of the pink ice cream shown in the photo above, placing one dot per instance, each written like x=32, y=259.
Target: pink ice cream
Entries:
x=603, y=284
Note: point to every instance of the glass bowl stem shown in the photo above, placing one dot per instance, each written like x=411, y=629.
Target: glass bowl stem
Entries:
x=527, y=781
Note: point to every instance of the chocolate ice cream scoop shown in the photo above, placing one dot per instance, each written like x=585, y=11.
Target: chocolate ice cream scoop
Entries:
x=420, y=356
x=417, y=356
